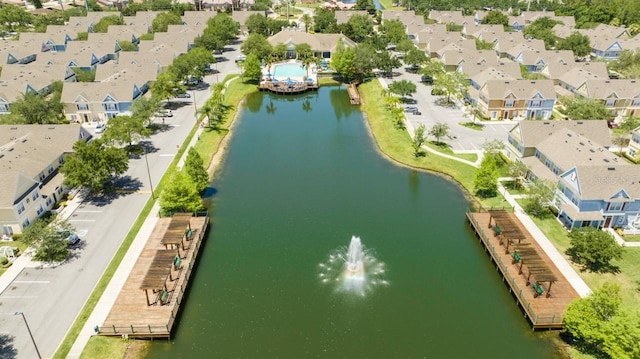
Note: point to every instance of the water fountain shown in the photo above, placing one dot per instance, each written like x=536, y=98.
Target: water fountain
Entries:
x=353, y=269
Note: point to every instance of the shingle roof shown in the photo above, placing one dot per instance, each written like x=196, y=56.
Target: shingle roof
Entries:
x=534, y=132
x=318, y=42
x=604, y=182
x=521, y=89
x=567, y=148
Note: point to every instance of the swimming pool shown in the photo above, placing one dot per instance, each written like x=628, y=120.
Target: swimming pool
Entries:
x=282, y=71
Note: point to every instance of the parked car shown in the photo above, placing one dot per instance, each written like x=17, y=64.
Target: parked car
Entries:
x=241, y=58
x=425, y=79
x=437, y=92
x=408, y=100
x=183, y=95
x=164, y=113
x=410, y=109
x=70, y=237
x=100, y=128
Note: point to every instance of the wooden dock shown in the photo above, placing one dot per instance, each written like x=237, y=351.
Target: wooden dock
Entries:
x=150, y=299
x=354, y=95
x=283, y=88
x=537, y=284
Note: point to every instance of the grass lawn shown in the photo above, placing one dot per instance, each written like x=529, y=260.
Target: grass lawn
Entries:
x=396, y=144
x=328, y=81
x=444, y=148
x=631, y=238
x=628, y=278
x=210, y=138
x=115, y=348
x=472, y=125
x=388, y=4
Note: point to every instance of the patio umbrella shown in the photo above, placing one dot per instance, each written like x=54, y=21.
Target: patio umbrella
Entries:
x=288, y=81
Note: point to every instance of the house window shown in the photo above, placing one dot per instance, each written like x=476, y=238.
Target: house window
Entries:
x=615, y=206
x=4, y=108
x=535, y=103
x=20, y=208
x=41, y=176
x=60, y=160
x=636, y=102
x=40, y=210
x=34, y=196
x=508, y=103
x=82, y=107
x=110, y=107
x=26, y=223
x=586, y=224
x=610, y=103
x=538, y=154
x=74, y=118
x=50, y=170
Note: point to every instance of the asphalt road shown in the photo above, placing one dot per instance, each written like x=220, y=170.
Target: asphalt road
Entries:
x=463, y=139
x=51, y=297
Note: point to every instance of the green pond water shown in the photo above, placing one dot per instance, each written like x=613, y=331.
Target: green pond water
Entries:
x=300, y=178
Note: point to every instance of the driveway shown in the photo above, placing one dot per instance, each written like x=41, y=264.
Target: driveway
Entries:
x=52, y=296
x=463, y=139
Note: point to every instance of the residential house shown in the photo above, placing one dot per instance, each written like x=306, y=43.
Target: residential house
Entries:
x=438, y=44
x=99, y=101
x=450, y=17
x=488, y=33
x=141, y=75
x=575, y=77
x=141, y=22
x=455, y=60
x=86, y=55
x=45, y=41
x=30, y=156
x=634, y=143
x=156, y=55
x=343, y=16
x=14, y=52
x=509, y=99
x=555, y=70
x=607, y=42
x=323, y=45
x=241, y=18
x=79, y=24
x=601, y=196
x=197, y=20
x=514, y=42
x=620, y=96
x=181, y=37
x=426, y=32
x=534, y=61
x=524, y=137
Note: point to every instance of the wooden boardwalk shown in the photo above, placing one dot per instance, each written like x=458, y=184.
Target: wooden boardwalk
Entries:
x=283, y=88
x=539, y=287
x=150, y=299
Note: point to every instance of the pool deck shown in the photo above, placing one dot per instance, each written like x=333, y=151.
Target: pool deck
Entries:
x=540, y=288
x=287, y=83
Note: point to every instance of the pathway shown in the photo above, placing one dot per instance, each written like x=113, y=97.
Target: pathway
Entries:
x=563, y=265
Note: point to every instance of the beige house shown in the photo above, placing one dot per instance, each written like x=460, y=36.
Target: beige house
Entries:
x=508, y=99
x=29, y=159
x=323, y=45
x=99, y=101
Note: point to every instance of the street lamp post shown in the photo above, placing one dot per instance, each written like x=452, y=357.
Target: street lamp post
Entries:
x=153, y=196
x=195, y=106
x=31, y=335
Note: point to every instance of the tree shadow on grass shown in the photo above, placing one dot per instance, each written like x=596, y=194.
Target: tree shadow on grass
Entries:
x=586, y=266
x=583, y=347
x=7, y=350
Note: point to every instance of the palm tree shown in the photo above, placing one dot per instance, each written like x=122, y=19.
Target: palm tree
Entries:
x=306, y=105
x=271, y=108
x=307, y=20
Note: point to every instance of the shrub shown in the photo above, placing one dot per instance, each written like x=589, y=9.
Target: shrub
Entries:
x=4, y=261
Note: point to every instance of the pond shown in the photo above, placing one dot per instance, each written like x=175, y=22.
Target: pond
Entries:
x=301, y=177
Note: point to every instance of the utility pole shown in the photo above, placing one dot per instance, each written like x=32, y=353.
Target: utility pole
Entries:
x=30, y=335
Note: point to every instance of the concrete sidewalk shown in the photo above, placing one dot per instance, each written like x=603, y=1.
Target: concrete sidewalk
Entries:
x=561, y=263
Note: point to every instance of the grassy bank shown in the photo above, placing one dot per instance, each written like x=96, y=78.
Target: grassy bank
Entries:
x=397, y=145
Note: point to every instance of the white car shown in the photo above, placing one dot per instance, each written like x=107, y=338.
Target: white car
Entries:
x=241, y=58
x=164, y=113
x=100, y=128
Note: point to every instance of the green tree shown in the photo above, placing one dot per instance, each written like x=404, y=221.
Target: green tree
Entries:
x=127, y=46
x=593, y=248
x=13, y=17
x=219, y=31
x=103, y=24
x=542, y=29
x=582, y=108
x=307, y=20
x=366, y=5
x=432, y=69
x=403, y=88
x=358, y=27
x=576, y=42
x=194, y=166
x=303, y=51
x=439, y=131
x=180, y=195
x=418, y=140
x=539, y=196
x=324, y=20
x=454, y=84
x=251, y=68
x=125, y=130
x=518, y=170
x=486, y=180
x=415, y=58
x=192, y=64
x=93, y=165
x=405, y=45
x=386, y=62
x=166, y=86
x=48, y=239
x=84, y=75
x=33, y=108
x=163, y=20
x=393, y=30
x=258, y=24
x=627, y=64
x=484, y=45
x=257, y=45
x=144, y=108
x=495, y=17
